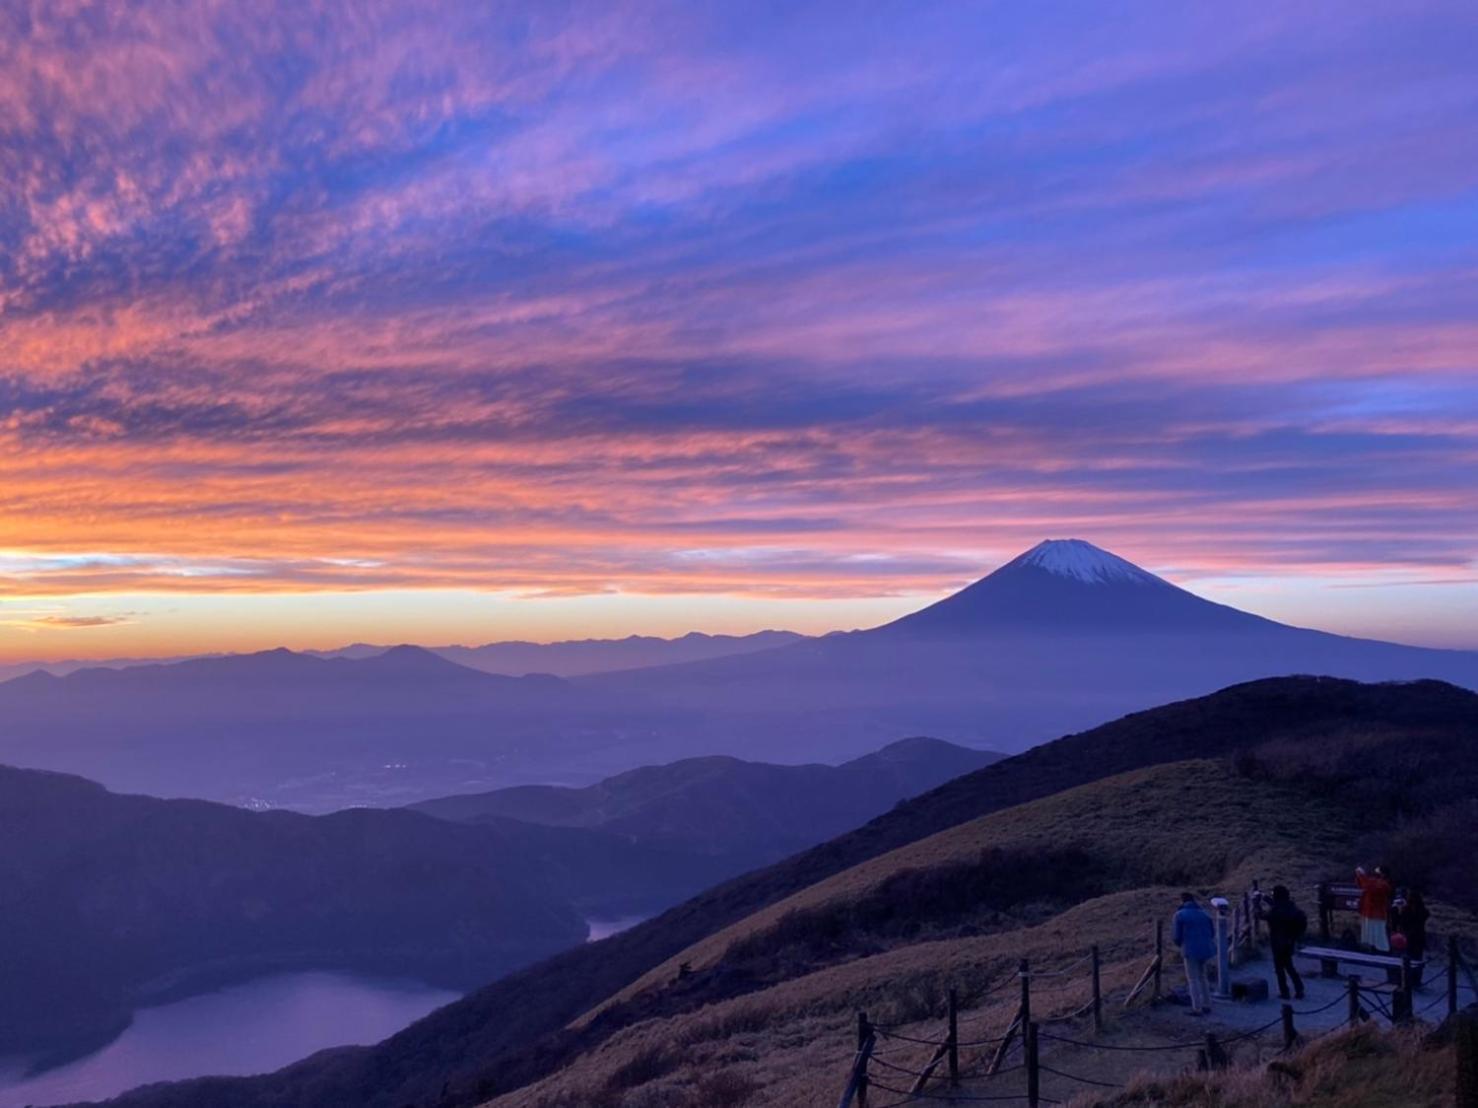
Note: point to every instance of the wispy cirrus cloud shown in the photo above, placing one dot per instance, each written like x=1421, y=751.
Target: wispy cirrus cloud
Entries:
x=320, y=296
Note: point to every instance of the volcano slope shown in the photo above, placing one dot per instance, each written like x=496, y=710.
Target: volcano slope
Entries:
x=1289, y=759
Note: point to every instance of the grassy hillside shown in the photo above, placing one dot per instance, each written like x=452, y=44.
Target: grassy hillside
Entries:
x=473, y=1048
x=1094, y=864
x=765, y=1015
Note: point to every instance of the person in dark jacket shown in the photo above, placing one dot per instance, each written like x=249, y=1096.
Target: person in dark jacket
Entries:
x=1409, y=920
x=1286, y=925
x=1195, y=934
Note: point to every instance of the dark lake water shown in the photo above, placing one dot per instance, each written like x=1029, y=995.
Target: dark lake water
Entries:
x=251, y=1028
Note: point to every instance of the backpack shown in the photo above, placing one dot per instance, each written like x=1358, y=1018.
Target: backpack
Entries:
x=1299, y=923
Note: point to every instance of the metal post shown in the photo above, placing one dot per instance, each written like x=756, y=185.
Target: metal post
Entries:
x=1223, y=967
x=1097, y=994
x=1024, y=969
x=864, y=1034
x=1033, y=1069
x=954, y=1039
x=1452, y=960
x=1159, y=954
x=1290, y=1036
x=1352, y=984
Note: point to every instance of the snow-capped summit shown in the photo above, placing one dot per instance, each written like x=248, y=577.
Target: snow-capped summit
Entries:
x=1070, y=584
x=1084, y=562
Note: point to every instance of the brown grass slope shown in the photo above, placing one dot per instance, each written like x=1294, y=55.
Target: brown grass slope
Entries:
x=1363, y=1068
x=518, y=1030
x=820, y=955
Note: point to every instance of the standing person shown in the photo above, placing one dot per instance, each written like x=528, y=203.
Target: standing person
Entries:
x=1409, y=919
x=1375, y=908
x=1286, y=925
x=1195, y=935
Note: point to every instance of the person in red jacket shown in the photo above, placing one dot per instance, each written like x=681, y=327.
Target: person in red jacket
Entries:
x=1375, y=908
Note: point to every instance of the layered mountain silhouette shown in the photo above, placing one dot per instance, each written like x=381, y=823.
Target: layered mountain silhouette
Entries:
x=573, y=658
x=114, y=901
x=1061, y=638
x=1309, y=752
x=741, y=813
x=290, y=728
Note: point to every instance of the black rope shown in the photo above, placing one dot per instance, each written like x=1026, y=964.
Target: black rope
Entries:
x=1316, y=1011
x=1256, y=1031
x=1197, y=1045
x=984, y=1070
x=910, y=1097
x=1380, y=1005
x=1083, y=1080
x=991, y=990
x=982, y=1042
x=899, y=1069
x=1060, y=971
x=1440, y=999
x=885, y=1033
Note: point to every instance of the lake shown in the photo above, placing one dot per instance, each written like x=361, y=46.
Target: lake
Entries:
x=251, y=1028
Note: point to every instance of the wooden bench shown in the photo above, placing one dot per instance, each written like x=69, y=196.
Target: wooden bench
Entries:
x=1330, y=957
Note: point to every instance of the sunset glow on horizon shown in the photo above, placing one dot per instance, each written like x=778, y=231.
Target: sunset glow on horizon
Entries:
x=458, y=322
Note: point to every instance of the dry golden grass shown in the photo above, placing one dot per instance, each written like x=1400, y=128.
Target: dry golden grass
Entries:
x=1193, y=823
x=791, y=1043
x=1364, y=1068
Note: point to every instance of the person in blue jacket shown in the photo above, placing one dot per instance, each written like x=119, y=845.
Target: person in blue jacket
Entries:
x=1195, y=935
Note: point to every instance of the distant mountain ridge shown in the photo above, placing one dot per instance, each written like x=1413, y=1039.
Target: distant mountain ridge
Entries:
x=1062, y=637
x=1058, y=639
x=324, y=733
x=513, y=658
x=749, y=812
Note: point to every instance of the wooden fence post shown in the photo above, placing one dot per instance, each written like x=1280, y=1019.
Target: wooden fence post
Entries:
x=856, y=1090
x=1159, y=954
x=954, y=1039
x=1024, y=969
x=1005, y=1044
x=1400, y=1006
x=1216, y=1056
x=1097, y=994
x=1290, y=1036
x=1466, y=1041
x=1352, y=985
x=1452, y=961
x=1033, y=1069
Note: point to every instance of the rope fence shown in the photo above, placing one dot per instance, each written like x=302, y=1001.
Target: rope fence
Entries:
x=1027, y=1032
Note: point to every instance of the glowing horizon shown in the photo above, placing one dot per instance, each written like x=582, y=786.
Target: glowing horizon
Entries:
x=472, y=323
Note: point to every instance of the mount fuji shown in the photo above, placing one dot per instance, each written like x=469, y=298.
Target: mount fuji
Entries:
x=1063, y=637
x=1072, y=584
